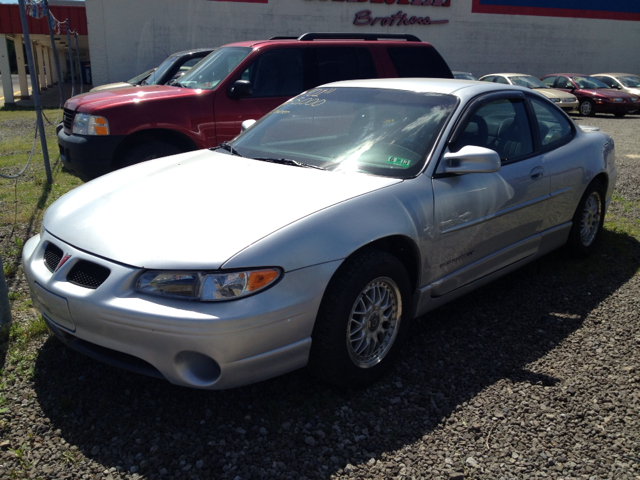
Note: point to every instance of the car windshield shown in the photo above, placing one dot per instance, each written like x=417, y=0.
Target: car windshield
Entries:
x=208, y=73
x=589, y=82
x=160, y=71
x=527, y=81
x=137, y=79
x=377, y=131
x=630, y=81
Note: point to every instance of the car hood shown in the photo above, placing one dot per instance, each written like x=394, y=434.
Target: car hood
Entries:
x=87, y=102
x=195, y=210
x=553, y=93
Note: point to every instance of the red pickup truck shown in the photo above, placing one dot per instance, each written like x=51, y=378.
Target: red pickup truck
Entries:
x=107, y=130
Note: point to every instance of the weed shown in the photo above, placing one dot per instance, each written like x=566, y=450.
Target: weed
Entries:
x=21, y=455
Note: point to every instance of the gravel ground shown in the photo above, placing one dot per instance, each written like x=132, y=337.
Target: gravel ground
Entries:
x=534, y=376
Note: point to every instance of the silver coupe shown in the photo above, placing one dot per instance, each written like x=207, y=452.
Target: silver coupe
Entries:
x=319, y=233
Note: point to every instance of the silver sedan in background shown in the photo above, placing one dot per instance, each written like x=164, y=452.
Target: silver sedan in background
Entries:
x=317, y=235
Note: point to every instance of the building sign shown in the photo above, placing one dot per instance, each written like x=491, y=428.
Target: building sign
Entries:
x=365, y=18
x=611, y=9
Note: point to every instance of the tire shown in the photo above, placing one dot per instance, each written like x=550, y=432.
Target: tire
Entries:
x=587, y=108
x=147, y=151
x=371, y=289
x=587, y=220
x=619, y=115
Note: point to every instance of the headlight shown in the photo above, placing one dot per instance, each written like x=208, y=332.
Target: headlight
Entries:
x=207, y=286
x=555, y=100
x=634, y=98
x=85, y=124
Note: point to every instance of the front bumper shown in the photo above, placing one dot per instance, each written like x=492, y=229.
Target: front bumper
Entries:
x=189, y=343
x=616, y=107
x=87, y=156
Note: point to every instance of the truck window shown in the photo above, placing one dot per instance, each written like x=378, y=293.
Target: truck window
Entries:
x=419, y=62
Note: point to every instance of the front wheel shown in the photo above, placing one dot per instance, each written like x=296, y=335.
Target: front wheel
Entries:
x=619, y=115
x=587, y=108
x=147, y=151
x=362, y=321
x=587, y=220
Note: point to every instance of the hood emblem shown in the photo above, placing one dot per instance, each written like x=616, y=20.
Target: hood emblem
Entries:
x=63, y=261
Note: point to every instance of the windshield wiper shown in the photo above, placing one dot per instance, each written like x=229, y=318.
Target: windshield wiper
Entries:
x=227, y=147
x=287, y=161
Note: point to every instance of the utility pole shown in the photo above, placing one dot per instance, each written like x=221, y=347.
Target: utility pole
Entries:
x=36, y=92
x=55, y=51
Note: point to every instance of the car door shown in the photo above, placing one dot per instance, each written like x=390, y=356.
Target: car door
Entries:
x=486, y=221
x=275, y=76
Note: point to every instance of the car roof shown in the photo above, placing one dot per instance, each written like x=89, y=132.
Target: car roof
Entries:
x=617, y=74
x=461, y=88
x=510, y=74
x=336, y=38
x=568, y=74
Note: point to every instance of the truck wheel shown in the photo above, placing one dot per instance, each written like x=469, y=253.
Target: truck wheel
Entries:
x=587, y=220
x=362, y=321
x=147, y=151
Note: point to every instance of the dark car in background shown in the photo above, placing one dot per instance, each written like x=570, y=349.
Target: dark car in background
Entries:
x=593, y=95
x=172, y=68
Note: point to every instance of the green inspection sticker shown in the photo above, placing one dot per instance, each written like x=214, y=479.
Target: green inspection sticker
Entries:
x=399, y=162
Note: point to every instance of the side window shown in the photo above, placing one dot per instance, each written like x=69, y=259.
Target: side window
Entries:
x=501, y=125
x=608, y=81
x=563, y=82
x=549, y=80
x=555, y=129
x=422, y=61
x=333, y=64
x=499, y=79
x=276, y=73
x=488, y=78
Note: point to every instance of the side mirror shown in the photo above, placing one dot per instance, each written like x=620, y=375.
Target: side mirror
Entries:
x=246, y=124
x=471, y=159
x=240, y=88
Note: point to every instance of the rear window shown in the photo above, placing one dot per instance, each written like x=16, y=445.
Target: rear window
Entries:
x=419, y=62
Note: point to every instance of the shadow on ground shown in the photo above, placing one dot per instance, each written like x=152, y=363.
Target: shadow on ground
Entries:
x=125, y=420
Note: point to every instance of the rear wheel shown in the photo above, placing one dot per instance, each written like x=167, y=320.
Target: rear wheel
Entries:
x=362, y=321
x=147, y=151
x=587, y=220
x=587, y=108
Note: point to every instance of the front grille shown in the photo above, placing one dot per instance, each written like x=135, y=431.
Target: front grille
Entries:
x=52, y=257
x=87, y=274
x=67, y=119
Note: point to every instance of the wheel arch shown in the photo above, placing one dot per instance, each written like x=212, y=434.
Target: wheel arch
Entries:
x=178, y=139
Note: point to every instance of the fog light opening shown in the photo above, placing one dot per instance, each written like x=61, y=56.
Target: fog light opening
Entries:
x=197, y=369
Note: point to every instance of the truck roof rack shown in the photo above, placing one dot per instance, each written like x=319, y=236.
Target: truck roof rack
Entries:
x=351, y=36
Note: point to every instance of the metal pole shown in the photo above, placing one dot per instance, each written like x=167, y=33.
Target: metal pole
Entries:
x=75, y=34
x=55, y=51
x=36, y=93
x=5, y=308
x=73, y=75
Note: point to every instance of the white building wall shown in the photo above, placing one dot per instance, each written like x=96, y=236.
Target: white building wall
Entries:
x=128, y=37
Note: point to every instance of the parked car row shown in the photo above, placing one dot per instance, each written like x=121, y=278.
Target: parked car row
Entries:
x=616, y=93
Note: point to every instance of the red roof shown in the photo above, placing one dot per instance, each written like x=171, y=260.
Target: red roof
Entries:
x=10, y=19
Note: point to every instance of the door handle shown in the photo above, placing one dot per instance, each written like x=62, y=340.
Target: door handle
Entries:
x=537, y=173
